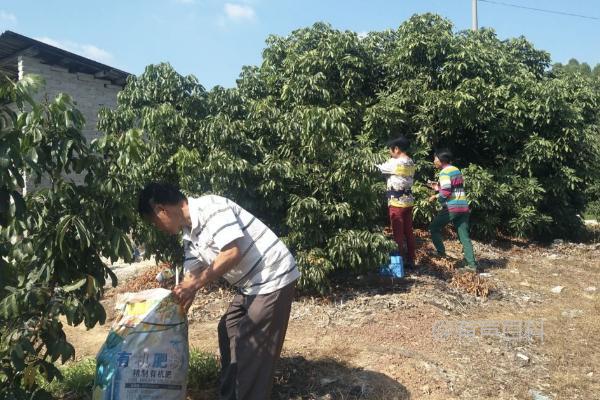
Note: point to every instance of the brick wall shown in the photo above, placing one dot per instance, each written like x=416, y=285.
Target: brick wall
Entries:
x=89, y=94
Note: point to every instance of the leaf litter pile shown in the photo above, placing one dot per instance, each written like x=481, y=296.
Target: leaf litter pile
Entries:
x=146, y=280
x=472, y=284
x=445, y=268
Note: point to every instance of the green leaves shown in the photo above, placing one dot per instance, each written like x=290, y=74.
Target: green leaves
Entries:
x=17, y=356
x=295, y=142
x=75, y=285
x=73, y=222
x=52, y=238
x=9, y=305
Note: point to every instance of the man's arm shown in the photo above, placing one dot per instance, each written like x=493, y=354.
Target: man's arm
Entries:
x=227, y=258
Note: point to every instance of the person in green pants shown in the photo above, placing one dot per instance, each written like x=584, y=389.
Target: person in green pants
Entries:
x=455, y=208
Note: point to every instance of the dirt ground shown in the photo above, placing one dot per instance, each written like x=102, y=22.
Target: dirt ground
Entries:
x=421, y=338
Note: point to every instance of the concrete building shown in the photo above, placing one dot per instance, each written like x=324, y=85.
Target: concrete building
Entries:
x=91, y=84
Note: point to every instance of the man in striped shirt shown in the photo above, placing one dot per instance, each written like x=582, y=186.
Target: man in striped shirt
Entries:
x=221, y=239
x=455, y=208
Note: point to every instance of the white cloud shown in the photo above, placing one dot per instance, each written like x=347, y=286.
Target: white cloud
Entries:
x=239, y=12
x=96, y=53
x=7, y=19
x=85, y=50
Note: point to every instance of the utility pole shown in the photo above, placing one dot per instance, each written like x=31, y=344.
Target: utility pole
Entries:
x=474, y=15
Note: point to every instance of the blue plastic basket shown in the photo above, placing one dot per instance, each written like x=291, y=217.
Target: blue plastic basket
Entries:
x=394, y=269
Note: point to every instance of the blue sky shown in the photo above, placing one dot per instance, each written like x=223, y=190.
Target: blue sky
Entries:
x=213, y=39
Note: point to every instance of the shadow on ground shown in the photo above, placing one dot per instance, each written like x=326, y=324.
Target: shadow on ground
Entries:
x=297, y=378
x=300, y=379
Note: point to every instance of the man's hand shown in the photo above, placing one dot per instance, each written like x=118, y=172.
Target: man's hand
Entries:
x=186, y=306
x=433, y=198
x=227, y=258
x=185, y=292
x=433, y=185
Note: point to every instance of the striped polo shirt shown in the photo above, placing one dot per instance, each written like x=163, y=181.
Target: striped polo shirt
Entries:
x=266, y=264
x=452, y=193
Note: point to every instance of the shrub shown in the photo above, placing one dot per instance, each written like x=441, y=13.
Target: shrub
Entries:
x=295, y=142
x=52, y=240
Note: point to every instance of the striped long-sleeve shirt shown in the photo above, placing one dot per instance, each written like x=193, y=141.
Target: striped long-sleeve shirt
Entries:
x=452, y=193
x=266, y=264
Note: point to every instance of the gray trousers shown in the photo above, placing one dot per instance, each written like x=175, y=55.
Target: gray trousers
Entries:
x=251, y=335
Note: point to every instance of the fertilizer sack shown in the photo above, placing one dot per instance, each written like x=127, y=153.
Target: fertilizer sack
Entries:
x=146, y=353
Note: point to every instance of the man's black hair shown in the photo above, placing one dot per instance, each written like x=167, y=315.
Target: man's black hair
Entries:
x=158, y=193
x=401, y=142
x=444, y=155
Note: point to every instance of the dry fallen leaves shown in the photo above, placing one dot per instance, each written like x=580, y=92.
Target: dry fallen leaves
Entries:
x=146, y=280
x=445, y=266
x=472, y=284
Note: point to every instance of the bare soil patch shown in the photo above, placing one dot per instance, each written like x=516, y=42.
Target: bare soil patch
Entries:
x=383, y=339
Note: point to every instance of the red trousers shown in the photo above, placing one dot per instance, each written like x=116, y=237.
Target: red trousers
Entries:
x=402, y=226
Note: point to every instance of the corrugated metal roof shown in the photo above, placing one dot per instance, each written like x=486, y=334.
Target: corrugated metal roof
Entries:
x=12, y=45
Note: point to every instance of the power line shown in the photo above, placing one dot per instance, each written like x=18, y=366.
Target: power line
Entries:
x=540, y=9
